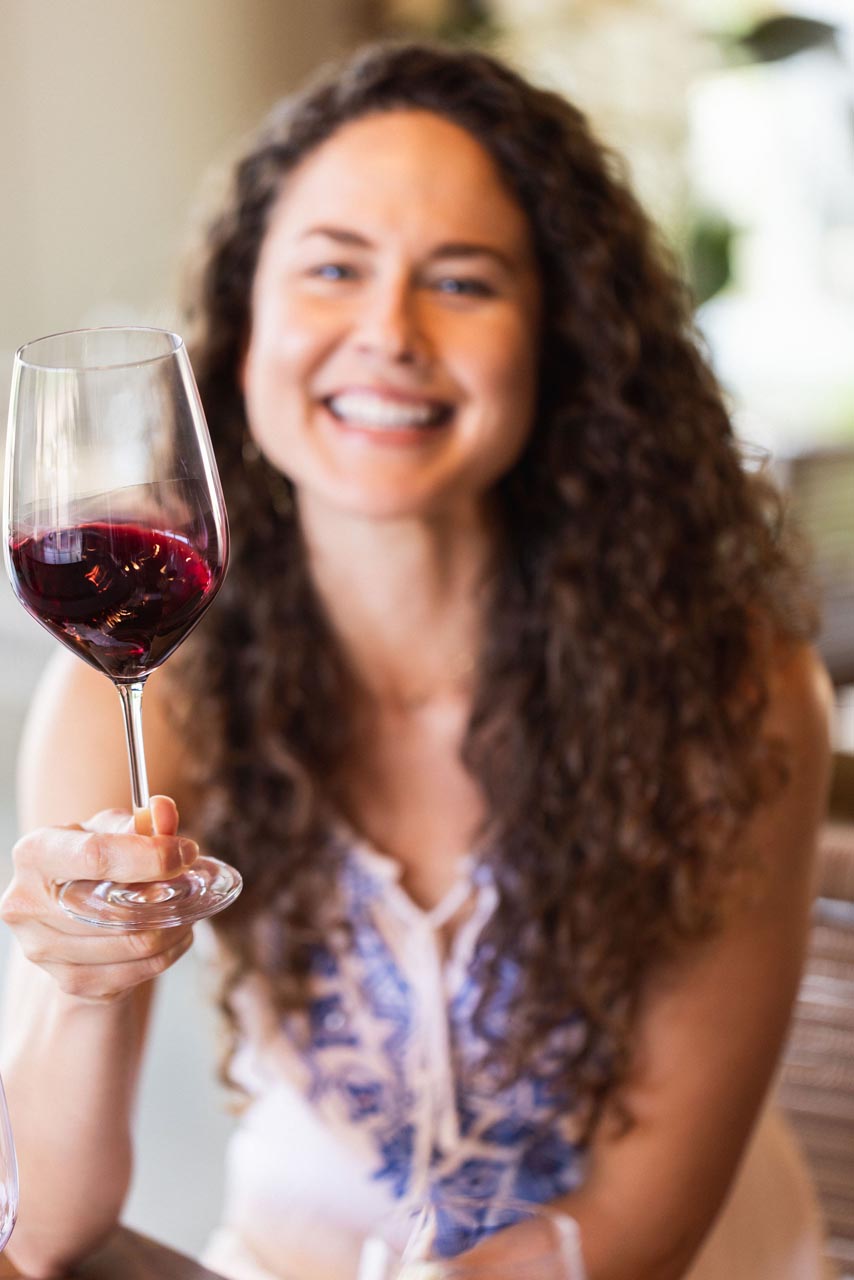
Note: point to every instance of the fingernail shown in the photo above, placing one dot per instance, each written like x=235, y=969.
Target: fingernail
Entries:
x=189, y=851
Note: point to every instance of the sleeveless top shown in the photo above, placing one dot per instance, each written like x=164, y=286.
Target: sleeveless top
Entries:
x=379, y=1094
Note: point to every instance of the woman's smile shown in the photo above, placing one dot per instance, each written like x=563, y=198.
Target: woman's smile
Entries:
x=388, y=413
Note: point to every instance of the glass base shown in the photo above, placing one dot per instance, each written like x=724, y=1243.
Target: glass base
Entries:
x=204, y=889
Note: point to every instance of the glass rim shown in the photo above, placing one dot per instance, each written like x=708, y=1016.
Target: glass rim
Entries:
x=753, y=458
x=176, y=340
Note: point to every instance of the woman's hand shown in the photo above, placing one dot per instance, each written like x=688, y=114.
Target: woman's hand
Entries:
x=85, y=961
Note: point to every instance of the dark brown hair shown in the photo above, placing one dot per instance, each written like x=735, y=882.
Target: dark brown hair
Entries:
x=615, y=732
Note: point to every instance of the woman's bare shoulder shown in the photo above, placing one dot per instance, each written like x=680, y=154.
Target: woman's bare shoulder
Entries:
x=73, y=759
x=798, y=717
x=800, y=697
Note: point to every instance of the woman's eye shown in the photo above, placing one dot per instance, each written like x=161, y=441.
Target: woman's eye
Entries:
x=466, y=286
x=333, y=271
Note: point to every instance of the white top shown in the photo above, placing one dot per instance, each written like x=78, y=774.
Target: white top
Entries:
x=382, y=1097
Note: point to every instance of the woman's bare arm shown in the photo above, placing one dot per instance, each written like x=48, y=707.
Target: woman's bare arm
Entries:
x=78, y=998
x=711, y=1034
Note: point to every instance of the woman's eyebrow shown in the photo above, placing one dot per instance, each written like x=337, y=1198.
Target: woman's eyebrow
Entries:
x=472, y=249
x=341, y=234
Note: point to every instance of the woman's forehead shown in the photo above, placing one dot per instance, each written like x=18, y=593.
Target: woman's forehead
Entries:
x=412, y=163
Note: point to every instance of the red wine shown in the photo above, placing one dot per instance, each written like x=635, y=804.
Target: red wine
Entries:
x=121, y=595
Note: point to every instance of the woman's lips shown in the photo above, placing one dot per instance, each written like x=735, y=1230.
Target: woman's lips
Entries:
x=382, y=411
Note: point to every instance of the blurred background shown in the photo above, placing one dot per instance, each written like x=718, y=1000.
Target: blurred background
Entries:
x=736, y=119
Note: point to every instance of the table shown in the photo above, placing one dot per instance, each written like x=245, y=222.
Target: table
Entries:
x=129, y=1256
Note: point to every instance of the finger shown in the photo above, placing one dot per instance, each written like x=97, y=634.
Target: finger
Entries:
x=45, y=945
x=109, y=981
x=164, y=815
x=58, y=854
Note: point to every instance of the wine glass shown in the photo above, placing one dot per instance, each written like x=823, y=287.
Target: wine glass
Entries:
x=116, y=541
x=8, y=1175
x=457, y=1237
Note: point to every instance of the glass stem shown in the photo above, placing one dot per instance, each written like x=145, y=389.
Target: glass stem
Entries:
x=131, y=696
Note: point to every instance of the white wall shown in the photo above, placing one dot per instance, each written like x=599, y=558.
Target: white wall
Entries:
x=111, y=111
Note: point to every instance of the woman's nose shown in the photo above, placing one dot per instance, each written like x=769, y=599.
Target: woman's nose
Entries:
x=390, y=323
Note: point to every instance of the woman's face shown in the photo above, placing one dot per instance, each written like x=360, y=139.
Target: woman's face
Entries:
x=391, y=368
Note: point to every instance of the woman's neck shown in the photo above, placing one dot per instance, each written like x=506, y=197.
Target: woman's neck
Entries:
x=404, y=598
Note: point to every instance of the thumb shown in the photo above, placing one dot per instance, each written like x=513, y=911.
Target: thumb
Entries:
x=164, y=815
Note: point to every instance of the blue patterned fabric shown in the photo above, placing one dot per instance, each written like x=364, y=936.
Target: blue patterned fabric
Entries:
x=395, y=1057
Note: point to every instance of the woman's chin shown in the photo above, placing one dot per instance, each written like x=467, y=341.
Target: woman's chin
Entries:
x=381, y=503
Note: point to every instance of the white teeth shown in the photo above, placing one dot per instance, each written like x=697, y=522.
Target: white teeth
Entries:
x=369, y=410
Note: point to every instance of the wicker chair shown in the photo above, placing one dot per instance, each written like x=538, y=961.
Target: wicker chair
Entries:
x=816, y=1082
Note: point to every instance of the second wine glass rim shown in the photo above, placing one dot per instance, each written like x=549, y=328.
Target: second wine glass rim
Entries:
x=177, y=344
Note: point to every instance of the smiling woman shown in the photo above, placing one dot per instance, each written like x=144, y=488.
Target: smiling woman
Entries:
x=505, y=712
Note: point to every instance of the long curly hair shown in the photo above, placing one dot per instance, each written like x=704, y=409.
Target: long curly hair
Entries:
x=644, y=581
